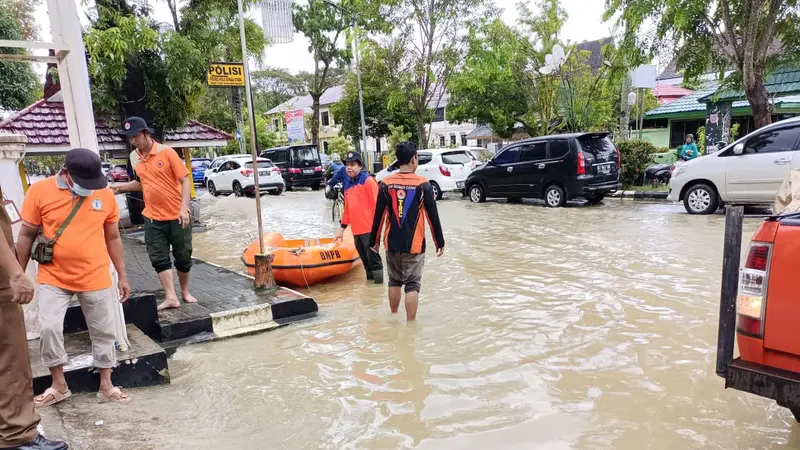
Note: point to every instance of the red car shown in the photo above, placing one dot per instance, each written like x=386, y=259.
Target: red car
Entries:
x=117, y=173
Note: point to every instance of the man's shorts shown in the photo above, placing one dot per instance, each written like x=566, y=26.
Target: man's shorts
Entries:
x=405, y=269
x=162, y=235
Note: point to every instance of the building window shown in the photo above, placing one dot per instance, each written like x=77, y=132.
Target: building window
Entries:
x=680, y=128
x=452, y=139
x=275, y=124
x=325, y=146
x=438, y=115
x=326, y=119
x=378, y=145
x=464, y=139
x=441, y=141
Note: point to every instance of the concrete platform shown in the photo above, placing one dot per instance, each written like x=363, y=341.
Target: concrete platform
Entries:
x=145, y=364
x=227, y=306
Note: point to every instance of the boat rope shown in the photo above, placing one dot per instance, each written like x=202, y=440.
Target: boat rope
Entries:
x=298, y=252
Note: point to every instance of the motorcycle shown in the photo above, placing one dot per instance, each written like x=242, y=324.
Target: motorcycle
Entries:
x=659, y=174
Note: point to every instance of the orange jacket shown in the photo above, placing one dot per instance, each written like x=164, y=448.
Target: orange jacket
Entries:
x=360, y=196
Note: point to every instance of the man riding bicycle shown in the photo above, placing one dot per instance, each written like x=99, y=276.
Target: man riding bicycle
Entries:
x=336, y=173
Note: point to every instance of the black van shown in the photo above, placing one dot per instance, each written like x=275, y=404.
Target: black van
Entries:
x=556, y=168
x=299, y=164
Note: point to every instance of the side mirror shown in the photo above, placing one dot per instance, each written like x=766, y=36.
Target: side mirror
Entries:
x=738, y=149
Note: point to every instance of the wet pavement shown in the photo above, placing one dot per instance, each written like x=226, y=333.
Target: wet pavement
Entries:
x=582, y=327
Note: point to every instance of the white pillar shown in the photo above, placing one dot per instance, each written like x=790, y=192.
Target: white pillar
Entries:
x=73, y=73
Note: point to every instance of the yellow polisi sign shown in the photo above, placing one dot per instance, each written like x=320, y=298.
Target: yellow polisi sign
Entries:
x=226, y=74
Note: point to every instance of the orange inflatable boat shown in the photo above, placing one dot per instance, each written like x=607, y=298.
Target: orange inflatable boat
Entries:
x=301, y=262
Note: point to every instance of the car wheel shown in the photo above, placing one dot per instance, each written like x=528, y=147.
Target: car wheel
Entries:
x=477, y=194
x=437, y=192
x=701, y=199
x=594, y=199
x=237, y=189
x=555, y=197
x=316, y=187
x=212, y=189
x=278, y=191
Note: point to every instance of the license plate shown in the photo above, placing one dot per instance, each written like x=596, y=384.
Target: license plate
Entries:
x=604, y=170
x=459, y=185
x=307, y=171
x=263, y=174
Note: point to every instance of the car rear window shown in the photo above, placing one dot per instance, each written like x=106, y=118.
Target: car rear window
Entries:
x=305, y=154
x=198, y=164
x=424, y=158
x=456, y=158
x=261, y=164
x=598, y=146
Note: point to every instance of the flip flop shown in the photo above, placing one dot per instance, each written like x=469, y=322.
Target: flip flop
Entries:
x=50, y=397
x=114, y=395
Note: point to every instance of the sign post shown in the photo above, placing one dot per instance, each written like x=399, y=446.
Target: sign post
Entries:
x=223, y=74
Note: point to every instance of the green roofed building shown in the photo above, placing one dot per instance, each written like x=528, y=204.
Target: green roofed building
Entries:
x=717, y=110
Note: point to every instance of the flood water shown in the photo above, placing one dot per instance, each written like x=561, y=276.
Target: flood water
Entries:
x=583, y=327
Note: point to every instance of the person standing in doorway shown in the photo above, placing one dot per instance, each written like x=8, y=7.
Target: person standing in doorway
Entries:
x=18, y=417
x=360, y=193
x=73, y=218
x=166, y=184
x=405, y=203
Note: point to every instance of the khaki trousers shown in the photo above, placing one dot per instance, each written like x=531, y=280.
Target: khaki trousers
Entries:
x=18, y=419
x=98, y=309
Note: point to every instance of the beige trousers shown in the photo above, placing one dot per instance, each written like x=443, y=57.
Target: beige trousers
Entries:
x=98, y=309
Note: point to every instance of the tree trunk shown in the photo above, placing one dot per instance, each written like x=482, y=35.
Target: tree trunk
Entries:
x=315, y=119
x=758, y=97
x=173, y=9
x=423, y=132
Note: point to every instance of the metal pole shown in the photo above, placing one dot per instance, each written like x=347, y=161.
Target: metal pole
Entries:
x=641, y=113
x=360, y=94
x=252, y=117
x=731, y=254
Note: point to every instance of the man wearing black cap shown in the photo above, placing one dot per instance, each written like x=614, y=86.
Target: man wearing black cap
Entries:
x=360, y=194
x=77, y=216
x=166, y=184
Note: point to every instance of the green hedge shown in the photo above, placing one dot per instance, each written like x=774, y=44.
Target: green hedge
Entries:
x=635, y=156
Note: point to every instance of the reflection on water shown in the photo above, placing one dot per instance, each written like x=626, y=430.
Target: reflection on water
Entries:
x=582, y=327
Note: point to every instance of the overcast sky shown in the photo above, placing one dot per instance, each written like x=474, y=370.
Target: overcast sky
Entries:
x=584, y=23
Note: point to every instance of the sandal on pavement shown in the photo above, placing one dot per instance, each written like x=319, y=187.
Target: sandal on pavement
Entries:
x=115, y=394
x=50, y=397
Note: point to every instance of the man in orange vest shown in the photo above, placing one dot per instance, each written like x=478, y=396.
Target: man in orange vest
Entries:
x=166, y=184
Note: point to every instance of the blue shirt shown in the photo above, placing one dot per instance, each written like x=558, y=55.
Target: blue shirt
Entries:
x=339, y=174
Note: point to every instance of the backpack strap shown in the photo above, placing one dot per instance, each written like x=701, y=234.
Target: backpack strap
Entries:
x=69, y=219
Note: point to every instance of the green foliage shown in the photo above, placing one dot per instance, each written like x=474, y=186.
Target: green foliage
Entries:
x=734, y=132
x=273, y=86
x=19, y=86
x=340, y=145
x=385, y=103
x=635, y=157
x=396, y=135
x=264, y=140
x=701, y=140
x=215, y=109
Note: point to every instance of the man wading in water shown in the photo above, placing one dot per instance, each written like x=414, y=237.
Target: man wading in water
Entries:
x=405, y=203
x=165, y=181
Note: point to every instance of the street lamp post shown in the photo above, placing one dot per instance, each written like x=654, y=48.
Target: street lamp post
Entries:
x=354, y=17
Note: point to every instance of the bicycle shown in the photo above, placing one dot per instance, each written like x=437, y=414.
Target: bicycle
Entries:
x=337, y=197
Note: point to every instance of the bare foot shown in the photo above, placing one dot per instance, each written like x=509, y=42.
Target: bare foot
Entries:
x=188, y=298
x=169, y=303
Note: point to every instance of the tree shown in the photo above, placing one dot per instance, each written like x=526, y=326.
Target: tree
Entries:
x=264, y=140
x=273, y=86
x=397, y=134
x=20, y=86
x=385, y=103
x=339, y=145
x=714, y=36
x=433, y=30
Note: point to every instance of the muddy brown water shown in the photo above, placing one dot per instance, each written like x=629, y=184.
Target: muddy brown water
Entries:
x=582, y=327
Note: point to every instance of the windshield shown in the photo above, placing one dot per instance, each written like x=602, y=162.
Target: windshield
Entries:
x=200, y=163
x=309, y=154
x=456, y=158
x=261, y=164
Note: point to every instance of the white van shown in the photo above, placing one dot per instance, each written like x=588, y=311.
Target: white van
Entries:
x=748, y=172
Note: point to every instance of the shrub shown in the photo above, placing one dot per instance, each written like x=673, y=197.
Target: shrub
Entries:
x=340, y=145
x=635, y=156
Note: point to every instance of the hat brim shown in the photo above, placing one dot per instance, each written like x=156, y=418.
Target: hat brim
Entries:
x=98, y=182
x=134, y=131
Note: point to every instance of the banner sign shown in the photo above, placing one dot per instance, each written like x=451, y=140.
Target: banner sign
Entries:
x=295, y=126
x=226, y=74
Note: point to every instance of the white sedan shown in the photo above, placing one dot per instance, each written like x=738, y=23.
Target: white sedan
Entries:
x=236, y=176
x=446, y=169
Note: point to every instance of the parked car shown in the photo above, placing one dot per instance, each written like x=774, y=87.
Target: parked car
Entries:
x=107, y=168
x=556, y=168
x=236, y=176
x=446, y=169
x=118, y=173
x=300, y=165
x=748, y=172
x=199, y=167
x=476, y=153
x=218, y=161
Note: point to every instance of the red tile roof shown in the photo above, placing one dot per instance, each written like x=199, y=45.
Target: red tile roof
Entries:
x=666, y=90
x=45, y=123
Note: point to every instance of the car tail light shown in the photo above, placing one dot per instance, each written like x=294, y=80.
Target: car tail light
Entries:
x=246, y=172
x=445, y=171
x=277, y=170
x=295, y=171
x=581, y=164
x=318, y=169
x=752, y=298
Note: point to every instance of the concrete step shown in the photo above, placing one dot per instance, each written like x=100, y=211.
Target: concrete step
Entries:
x=139, y=310
x=144, y=364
